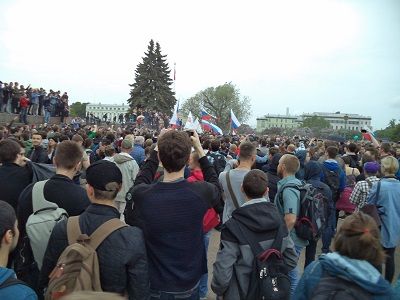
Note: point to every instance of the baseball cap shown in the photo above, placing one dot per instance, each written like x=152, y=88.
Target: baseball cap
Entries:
x=104, y=175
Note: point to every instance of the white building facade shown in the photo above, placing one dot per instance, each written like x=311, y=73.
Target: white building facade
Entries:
x=340, y=120
x=112, y=110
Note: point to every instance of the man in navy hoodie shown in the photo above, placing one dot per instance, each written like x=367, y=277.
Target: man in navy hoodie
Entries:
x=10, y=287
x=312, y=175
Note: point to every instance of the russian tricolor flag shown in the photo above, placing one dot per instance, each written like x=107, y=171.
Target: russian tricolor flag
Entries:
x=234, y=121
x=206, y=116
x=210, y=126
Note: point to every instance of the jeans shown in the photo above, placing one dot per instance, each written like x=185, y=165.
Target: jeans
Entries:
x=294, y=274
x=192, y=294
x=22, y=115
x=203, y=286
x=46, y=116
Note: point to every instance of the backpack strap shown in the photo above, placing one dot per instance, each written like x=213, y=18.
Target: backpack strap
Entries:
x=38, y=200
x=254, y=245
x=233, y=196
x=10, y=281
x=104, y=230
x=73, y=229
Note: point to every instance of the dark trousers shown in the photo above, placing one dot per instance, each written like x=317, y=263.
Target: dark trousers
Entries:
x=311, y=249
x=14, y=106
x=389, y=264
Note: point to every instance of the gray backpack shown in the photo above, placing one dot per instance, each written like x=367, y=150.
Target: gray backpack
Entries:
x=41, y=222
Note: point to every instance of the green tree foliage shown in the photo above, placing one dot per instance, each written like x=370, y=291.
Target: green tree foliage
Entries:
x=315, y=122
x=78, y=109
x=152, y=86
x=391, y=132
x=218, y=101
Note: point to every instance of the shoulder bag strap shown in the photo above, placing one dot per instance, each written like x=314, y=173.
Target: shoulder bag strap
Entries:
x=73, y=229
x=38, y=200
x=233, y=196
x=104, y=230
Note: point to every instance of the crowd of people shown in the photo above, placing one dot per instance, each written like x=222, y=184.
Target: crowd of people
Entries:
x=17, y=99
x=130, y=211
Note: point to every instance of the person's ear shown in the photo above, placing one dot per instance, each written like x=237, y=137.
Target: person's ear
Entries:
x=8, y=237
x=266, y=191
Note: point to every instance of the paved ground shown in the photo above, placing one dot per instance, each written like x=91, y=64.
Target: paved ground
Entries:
x=214, y=245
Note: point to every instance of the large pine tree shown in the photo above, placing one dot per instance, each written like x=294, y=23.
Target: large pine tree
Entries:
x=152, y=86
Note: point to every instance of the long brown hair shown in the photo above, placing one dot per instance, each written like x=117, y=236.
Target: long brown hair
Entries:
x=359, y=238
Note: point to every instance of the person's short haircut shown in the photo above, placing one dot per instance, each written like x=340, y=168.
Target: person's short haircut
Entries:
x=174, y=149
x=255, y=184
x=273, y=151
x=77, y=138
x=386, y=147
x=291, y=148
x=247, y=150
x=206, y=144
x=346, y=159
x=359, y=238
x=332, y=152
x=352, y=148
x=7, y=219
x=9, y=150
x=42, y=135
x=88, y=143
x=148, y=143
x=109, y=150
x=291, y=163
x=389, y=165
x=68, y=155
x=263, y=143
x=233, y=148
x=139, y=140
x=215, y=145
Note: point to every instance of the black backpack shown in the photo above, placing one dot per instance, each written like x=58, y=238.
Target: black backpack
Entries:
x=218, y=161
x=335, y=288
x=311, y=220
x=268, y=279
x=332, y=179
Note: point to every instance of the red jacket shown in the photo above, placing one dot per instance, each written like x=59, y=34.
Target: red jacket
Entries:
x=196, y=175
x=23, y=102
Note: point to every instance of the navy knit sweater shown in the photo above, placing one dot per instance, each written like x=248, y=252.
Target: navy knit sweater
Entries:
x=171, y=216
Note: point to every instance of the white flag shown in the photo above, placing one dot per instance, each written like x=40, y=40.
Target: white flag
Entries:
x=189, y=122
x=197, y=126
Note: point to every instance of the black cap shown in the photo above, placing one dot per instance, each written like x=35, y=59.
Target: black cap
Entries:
x=104, y=175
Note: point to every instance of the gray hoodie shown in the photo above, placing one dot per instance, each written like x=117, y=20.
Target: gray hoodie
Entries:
x=129, y=169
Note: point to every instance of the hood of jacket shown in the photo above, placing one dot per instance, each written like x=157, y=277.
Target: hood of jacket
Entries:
x=312, y=170
x=258, y=217
x=301, y=155
x=121, y=158
x=331, y=164
x=360, y=272
x=5, y=274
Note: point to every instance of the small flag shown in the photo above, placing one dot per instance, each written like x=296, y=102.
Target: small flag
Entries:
x=174, y=119
x=197, y=126
x=234, y=121
x=189, y=122
x=212, y=126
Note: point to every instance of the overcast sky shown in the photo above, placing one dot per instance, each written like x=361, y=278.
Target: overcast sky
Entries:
x=306, y=55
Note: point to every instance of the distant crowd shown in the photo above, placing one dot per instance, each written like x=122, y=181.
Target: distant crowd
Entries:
x=17, y=99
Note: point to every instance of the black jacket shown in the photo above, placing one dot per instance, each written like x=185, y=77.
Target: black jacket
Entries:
x=122, y=255
x=13, y=180
x=39, y=155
